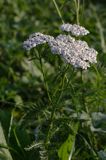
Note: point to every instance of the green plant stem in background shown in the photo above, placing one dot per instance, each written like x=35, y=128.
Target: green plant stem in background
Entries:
x=97, y=75
x=77, y=7
x=101, y=33
x=58, y=11
x=100, y=28
x=10, y=126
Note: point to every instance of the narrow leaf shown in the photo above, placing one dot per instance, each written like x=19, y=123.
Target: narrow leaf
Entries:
x=66, y=150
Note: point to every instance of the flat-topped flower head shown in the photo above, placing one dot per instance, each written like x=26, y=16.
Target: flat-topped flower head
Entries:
x=75, y=52
x=75, y=29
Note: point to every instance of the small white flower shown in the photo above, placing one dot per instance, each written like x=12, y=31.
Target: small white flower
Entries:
x=75, y=29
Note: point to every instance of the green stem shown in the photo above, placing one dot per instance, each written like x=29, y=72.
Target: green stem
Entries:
x=57, y=88
x=77, y=6
x=58, y=11
x=100, y=28
x=63, y=80
x=10, y=126
x=44, y=77
x=97, y=72
x=82, y=92
x=54, y=109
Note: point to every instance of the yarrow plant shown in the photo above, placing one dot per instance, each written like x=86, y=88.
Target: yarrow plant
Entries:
x=75, y=52
x=52, y=105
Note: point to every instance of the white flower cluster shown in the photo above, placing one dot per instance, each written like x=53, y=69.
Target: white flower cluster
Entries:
x=36, y=39
x=75, y=52
x=75, y=29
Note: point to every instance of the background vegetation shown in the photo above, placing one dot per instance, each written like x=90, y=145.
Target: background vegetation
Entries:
x=49, y=111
